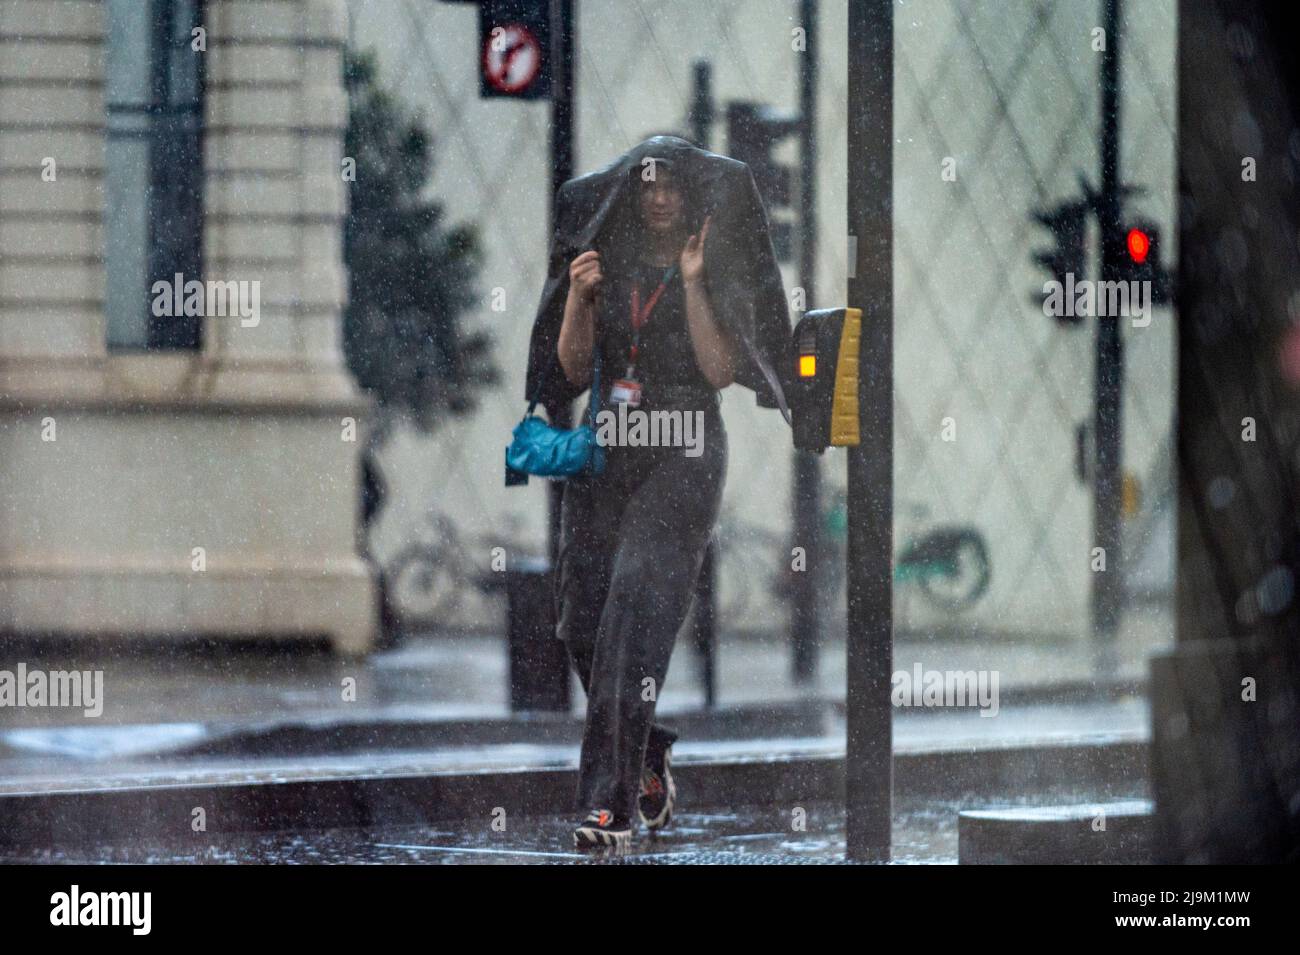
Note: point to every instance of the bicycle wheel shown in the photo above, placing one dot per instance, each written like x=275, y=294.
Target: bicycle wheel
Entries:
x=958, y=571
x=425, y=587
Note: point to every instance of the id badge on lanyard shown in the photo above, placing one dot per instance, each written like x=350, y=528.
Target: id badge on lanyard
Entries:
x=627, y=390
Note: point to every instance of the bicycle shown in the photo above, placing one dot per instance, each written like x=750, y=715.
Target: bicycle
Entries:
x=948, y=564
x=429, y=577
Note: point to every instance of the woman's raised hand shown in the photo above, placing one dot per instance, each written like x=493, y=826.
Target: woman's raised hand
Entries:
x=585, y=275
x=692, y=260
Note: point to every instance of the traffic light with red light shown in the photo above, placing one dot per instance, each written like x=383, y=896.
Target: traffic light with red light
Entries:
x=1141, y=261
x=1139, y=245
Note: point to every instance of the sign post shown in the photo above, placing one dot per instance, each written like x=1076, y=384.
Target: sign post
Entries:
x=563, y=52
x=527, y=51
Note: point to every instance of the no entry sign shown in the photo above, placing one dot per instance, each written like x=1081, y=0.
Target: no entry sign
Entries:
x=512, y=59
x=515, y=41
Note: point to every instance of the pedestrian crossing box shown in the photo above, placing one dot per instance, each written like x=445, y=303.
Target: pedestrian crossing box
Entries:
x=825, y=347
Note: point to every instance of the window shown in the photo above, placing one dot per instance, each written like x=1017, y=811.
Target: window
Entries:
x=154, y=167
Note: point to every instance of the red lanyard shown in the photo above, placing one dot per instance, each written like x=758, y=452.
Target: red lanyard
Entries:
x=642, y=315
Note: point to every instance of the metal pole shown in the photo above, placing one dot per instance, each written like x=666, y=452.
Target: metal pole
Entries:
x=563, y=69
x=806, y=491
x=706, y=594
x=868, y=766
x=1107, y=495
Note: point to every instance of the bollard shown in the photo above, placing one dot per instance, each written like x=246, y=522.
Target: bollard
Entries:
x=539, y=663
x=704, y=619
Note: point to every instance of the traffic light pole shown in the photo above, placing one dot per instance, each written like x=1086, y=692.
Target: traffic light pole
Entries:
x=563, y=69
x=806, y=491
x=868, y=764
x=1108, y=430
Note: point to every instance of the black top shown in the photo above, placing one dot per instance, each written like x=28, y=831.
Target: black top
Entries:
x=665, y=355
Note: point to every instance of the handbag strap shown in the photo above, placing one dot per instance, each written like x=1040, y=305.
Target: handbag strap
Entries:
x=595, y=399
x=550, y=367
x=595, y=379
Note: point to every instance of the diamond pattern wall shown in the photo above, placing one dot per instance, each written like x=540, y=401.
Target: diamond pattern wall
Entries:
x=1007, y=89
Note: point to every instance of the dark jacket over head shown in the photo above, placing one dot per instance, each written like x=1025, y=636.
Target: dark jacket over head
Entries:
x=598, y=211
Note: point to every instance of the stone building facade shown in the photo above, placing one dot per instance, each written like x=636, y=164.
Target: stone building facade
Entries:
x=172, y=477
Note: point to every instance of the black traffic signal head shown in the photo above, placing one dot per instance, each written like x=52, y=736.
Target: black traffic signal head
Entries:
x=1066, y=260
x=753, y=131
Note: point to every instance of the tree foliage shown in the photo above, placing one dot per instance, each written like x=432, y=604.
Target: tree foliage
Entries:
x=412, y=276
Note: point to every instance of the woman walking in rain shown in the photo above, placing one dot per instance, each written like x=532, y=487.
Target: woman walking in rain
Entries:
x=641, y=306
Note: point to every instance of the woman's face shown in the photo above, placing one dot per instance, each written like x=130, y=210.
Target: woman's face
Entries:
x=661, y=204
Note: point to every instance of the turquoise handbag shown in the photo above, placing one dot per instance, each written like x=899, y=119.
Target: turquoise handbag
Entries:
x=543, y=450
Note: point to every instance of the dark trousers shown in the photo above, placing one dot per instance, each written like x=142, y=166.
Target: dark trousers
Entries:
x=632, y=540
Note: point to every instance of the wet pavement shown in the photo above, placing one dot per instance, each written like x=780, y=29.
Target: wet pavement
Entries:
x=753, y=836
x=747, y=837
x=436, y=708
x=438, y=703
x=464, y=676
x=924, y=832
x=43, y=759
